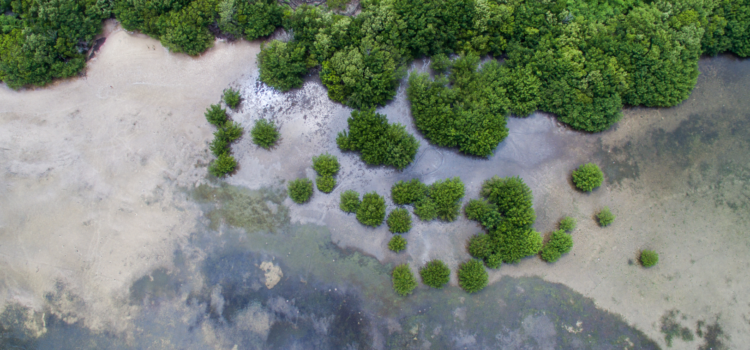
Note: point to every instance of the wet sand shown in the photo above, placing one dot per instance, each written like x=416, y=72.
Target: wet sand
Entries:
x=95, y=171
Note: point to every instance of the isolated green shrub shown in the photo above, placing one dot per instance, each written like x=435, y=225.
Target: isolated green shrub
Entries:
x=649, y=258
x=231, y=97
x=477, y=209
x=472, y=276
x=216, y=115
x=567, y=224
x=403, y=280
x=224, y=164
x=559, y=243
x=229, y=132
x=435, y=274
x=408, y=192
x=397, y=243
x=399, y=221
x=605, y=217
x=588, y=177
x=379, y=142
x=480, y=246
x=219, y=146
x=282, y=65
x=371, y=211
x=300, y=190
x=446, y=195
x=325, y=183
x=426, y=210
x=349, y=201
x=264, y=133
x=326, y=165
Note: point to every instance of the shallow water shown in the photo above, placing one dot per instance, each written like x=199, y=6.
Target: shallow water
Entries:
x=677, y=179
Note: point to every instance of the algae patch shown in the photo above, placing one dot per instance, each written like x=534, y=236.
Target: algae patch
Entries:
x=253, y=210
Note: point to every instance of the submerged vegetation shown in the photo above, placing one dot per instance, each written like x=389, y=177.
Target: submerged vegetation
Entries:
x=379, y=142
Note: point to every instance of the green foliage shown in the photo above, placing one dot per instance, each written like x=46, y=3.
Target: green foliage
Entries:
x=248, y=19
x=326, y=165
x=472, y=276
x=477, y=209
x=440, y=63
x=371, y=211
x=300, y=190
x=264, y=133
x=325, y=183
x=605, y=217
x=337, y=4
x=426, y=210
x=435, y=274
x=506, y=213
x=567, y=224
x=282, y=65
x=378, y=141
x=349, y=201
x=560, y=243
x=446, y=195
x=649, y=258
x=399, y=221
x=588, y=177
x=224, y=164
x=403, y=280
x=408, y=192
x=397, y=243
x=230, y=132
x=219, y=146
x=231, y=97
x=216, y=115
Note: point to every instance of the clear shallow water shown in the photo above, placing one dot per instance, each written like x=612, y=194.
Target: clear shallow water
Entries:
x=680, y=183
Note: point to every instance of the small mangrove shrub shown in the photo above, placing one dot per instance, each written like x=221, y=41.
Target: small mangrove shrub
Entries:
x=216, y=115
x=325, y=183
x=447, y=195
x=231, y=98
x=567, y=224
x=349, y=201
x=378, y=142
x=426, y=210
x=605, y=217
x=326, y=165
x=224, y=164
x=588, y=177
x=408, y=192
x=403, y=280
x=559, y=243
x=399, y=221
x=264, y=133
x=371, y=211
x=397, y=243
x=649, y=258
x=300, y=190
x=435, y=274
x=477, y=209
x=472, y=276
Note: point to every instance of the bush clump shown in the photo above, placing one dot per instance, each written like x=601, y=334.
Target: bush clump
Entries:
x=224, y=164
x=403, y=280
x=397, y=243
x=326, y=165
x=560, y=243
x=371, y=211
x=472, y=276
x=447, y=195
x=264, y=133
x=505, y=212
x=408, y=192
x=282, y=64
x=300, y=190
x=588, y=177
x=567, y=224
x=649, y=258
x=349, y=201
x=231, y=97
x=399, y=221
x=426, y=210
x=216, y=115
x=435, y=274
x=379, y=142
x=325, y=183
x=605, y=217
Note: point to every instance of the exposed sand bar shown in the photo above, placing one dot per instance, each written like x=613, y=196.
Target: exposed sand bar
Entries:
x=90, y=167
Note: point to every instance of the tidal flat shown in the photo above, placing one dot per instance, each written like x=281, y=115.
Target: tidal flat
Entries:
x=112, y=236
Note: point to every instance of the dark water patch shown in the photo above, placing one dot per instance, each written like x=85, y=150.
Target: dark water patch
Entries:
x=617, y=162
x=692, y=135
x=154, y=286
x=671, y=328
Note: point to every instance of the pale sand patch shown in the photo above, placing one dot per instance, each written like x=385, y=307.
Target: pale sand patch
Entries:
x=272, y=273
x=91, y=167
